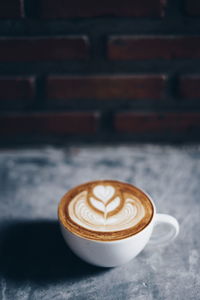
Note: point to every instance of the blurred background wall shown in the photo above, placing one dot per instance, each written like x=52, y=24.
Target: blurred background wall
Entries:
x=99, y=70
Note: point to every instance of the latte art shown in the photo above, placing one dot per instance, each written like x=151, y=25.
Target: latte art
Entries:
x=105, y=210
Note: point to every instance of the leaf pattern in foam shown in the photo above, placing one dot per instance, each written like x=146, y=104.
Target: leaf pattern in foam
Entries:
x=97, y=204
x=113, y=204
x=105, y=208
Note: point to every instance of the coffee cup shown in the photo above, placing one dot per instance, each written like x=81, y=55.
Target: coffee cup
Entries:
x=107, y=223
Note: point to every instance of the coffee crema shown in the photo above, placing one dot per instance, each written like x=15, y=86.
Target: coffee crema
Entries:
x=105, y=210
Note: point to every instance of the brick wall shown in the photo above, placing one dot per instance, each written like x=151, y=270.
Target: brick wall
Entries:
x=99, y=70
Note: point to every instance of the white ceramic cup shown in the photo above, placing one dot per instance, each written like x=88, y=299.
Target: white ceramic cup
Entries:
x=116, y=253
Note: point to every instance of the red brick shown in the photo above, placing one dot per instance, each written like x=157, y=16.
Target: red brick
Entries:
x=43, y=49
x=17, y=88
x=189, y=86
x=152, y=47
x=106, y=87
x=11, y=9
x=192, y=7
x=49, y=123
x=91, y=8
x=166, y=122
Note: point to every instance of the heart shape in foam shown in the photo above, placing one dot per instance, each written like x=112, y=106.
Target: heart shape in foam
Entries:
x=104, y=193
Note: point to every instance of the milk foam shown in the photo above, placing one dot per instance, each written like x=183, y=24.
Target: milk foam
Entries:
x=104, y=209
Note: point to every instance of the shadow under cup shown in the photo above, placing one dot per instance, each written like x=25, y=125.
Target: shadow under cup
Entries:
x=35, y=250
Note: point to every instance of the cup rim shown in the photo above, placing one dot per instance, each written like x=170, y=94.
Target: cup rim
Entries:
x=117, y=240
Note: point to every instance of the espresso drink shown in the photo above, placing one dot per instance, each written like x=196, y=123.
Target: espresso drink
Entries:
x=105, y=210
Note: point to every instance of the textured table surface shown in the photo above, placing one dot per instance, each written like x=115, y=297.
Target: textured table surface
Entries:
x=36, y=264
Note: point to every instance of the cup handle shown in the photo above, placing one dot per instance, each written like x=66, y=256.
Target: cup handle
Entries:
x=164, y=239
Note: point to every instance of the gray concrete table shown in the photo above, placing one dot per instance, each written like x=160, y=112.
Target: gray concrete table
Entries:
x=36, y=264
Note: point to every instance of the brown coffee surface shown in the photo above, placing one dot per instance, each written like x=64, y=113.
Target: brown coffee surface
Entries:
x=105, y=210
